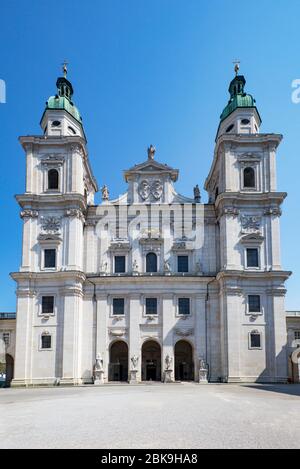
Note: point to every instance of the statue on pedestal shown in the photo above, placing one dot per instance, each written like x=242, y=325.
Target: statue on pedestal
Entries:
x=98, y=370
x=167, y=267
x=197, y=196
x=134, y=362
x=168, y=362
x=203, y=371
x=151, y=152
x=103, y=268
x=135, y=267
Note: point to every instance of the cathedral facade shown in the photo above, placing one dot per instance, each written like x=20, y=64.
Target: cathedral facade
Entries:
x=152, y=285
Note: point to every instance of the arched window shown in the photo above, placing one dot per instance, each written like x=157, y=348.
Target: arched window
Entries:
x=52, y=179
x=151, y=262
x=249, y=177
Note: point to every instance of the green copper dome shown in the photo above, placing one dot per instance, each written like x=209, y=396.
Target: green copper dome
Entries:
x=61, y=102
x=63, y=99
x=238, y=98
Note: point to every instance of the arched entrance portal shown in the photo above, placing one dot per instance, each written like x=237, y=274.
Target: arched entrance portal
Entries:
x=184, y=365
x=118, y=362
x=151, y=361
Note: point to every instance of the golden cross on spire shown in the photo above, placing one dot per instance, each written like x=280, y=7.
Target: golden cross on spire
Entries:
x=64, y=68
x=236, y=66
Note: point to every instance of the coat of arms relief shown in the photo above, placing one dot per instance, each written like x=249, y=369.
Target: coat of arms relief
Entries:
x=150, y=189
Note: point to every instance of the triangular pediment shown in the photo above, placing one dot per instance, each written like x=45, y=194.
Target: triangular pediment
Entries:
x=152, y=167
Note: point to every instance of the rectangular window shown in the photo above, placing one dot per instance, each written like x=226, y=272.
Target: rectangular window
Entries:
x=151, y=305
x=252, y=257
x=183, y=263
x=254, y=303
x=255, y=340
x=183, y=305
x=297, y=335
x=46, y=341
x=118, y=306
x=50, y=258
x=119, y=264
x=47, y=304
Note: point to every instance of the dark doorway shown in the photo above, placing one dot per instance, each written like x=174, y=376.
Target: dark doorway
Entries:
x=184, y=365
x=9, y=370
x=151, y=361
x=118, y=362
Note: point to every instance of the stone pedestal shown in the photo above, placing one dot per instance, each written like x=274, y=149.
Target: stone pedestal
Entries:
x=168, y=376
x=132, y=379
x=203, y=376
x=99, y=377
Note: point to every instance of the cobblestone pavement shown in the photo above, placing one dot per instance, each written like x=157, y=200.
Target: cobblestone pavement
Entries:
x=151, y=416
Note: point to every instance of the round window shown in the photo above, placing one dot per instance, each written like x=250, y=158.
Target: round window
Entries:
x=56, y=123
x=245, y=121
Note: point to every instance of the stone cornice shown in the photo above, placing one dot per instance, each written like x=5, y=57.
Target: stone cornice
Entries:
x=59, y=200
x=264, y=199
x=73, y=275
x=247, y=274
x=160, y=281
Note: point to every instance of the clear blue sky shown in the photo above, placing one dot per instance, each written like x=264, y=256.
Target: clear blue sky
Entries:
x=148, y=72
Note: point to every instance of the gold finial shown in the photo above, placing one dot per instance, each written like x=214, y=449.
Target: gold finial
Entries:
x=64, y=68
x=236, y=66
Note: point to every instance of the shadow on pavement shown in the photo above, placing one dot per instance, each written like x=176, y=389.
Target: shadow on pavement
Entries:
x=291, y=389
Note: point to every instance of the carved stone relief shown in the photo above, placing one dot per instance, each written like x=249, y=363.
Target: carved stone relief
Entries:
x=150, y=188
x=250, y=223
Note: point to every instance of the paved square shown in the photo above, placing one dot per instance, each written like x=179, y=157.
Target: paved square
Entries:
x=151, y=416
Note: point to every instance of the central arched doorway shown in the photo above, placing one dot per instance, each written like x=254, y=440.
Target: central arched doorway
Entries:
x=151, y=361
x=184, y=364
x=118, y=361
